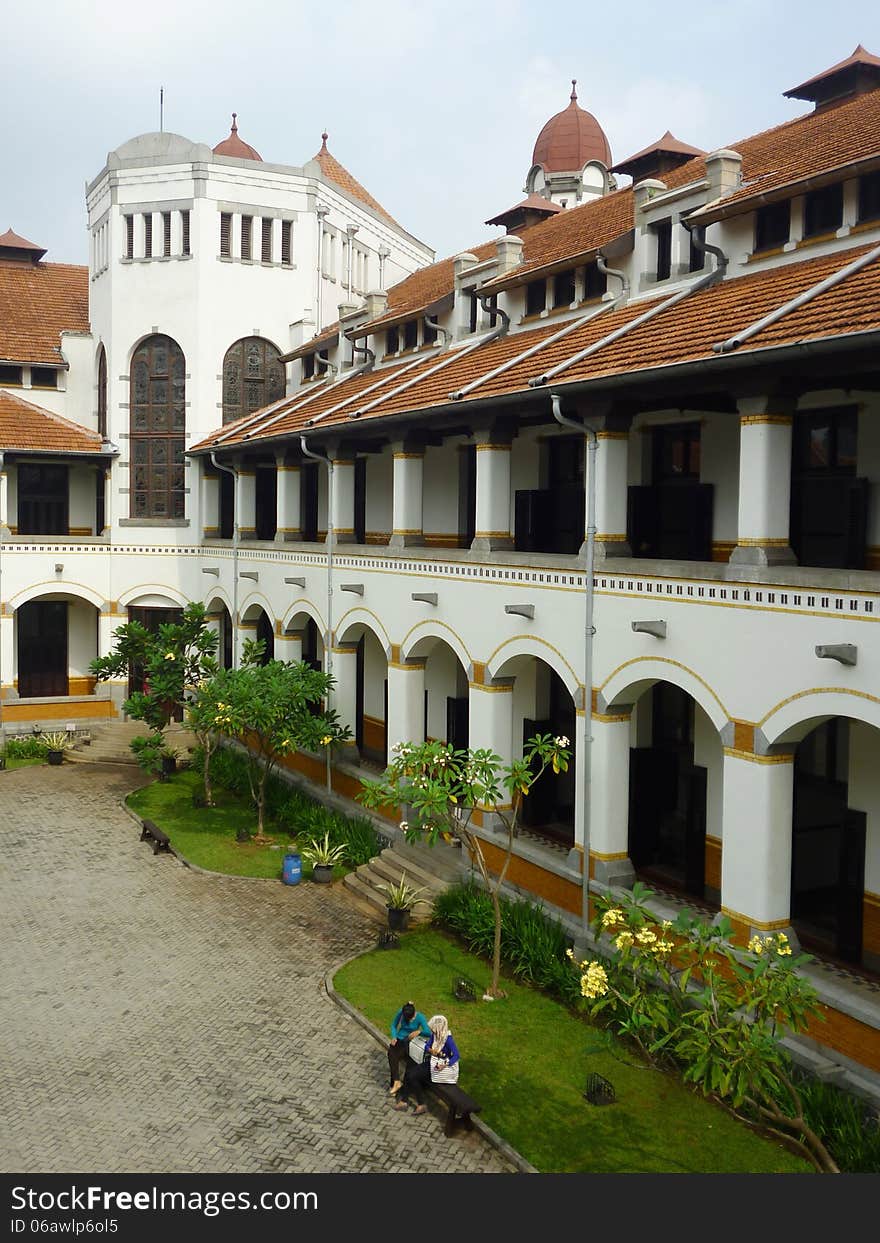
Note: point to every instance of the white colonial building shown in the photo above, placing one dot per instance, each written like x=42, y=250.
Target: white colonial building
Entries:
x=677, y=380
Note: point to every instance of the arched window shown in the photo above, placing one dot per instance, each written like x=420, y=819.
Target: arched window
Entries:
x=102, y=393
x=158, y=422
x=253, y=377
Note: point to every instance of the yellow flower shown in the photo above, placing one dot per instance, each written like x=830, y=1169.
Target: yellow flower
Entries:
x=569, y=953
x=326, y=740
x=612, y=917
x=756, y=945
x=624, y=940
x=594, y=982
x=645, y=936
x=169, y=655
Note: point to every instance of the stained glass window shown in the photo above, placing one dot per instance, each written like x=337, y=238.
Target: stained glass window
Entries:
x=253, y=377
x=157, y=424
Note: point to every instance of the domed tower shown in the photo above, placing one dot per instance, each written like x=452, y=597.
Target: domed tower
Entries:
x=236, y=147
x=572, y=157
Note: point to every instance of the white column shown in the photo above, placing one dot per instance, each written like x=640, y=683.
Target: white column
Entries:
x=246, y=503
x=406, y=703
x=493, y=496
x=288, y=646
x=611, y=493
x=764, y=486
x=4, y=500
x=244, y=631
x=345, y=689
x=109, y=620
x=7, y=668
x=289, y=521
x=343, y=500
x=407, y=497
x=210, y=504
x=609, y=796
x=756, y=843
x=490, y=719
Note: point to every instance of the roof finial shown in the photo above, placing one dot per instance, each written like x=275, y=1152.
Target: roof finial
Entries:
x=574, y=93
x=324, y=137
x=234, y=126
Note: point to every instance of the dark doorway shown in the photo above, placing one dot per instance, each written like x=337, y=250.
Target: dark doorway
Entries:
x=360, y=500
x=829, y=504
x=467, y=495
x=266, y=634
x=671, y=518
x=266, y=502
x=667, y=798
x=549, y=806
x=370, y=735
x=152, y=619
x=828, y=847
x=43, y=500
x=551, y=519
x=225, y=646
x=308, y=499
x=42, y=648
x=227, y=505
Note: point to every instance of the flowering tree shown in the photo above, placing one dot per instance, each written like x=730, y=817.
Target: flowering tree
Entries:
x=444, y=787
x=274, y=709
x=685, y=994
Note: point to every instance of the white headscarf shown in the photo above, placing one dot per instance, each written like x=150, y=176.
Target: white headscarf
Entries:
x=439, y=1025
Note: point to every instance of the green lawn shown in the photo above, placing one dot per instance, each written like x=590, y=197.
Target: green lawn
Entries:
x=25, y=763
x=205, y=836
x=526, y=1059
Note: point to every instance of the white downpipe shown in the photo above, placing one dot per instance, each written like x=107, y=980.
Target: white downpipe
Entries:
x=230, y=470
x=328, y=638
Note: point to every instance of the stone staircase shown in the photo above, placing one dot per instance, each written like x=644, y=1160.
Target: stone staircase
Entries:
x=110, y=743
x=434, y=868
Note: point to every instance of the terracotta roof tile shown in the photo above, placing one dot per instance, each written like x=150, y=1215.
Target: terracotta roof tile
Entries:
x=37, y=302
x=860, y=57
x=26, y=426
x=340, y=176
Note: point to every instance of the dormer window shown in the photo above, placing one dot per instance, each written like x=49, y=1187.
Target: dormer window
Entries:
x=823, y=210
x=772, y=226
x=696, y=255
x=662, y=231
x=392, y=341
x=429, y=334
x=869, y=197
x=10, y=375
x=563, y=289
x=44, y=377
x=595, y=282
x=536, y=297
x=411, y=334
x=308, y=364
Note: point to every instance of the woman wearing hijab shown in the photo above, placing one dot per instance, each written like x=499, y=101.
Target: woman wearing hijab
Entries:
x=440, y=1065
x=407, y=1024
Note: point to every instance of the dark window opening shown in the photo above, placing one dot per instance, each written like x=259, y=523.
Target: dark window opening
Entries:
x=42, y=648
x=869, y=197
x=360, y=500
x=310, y=647
x=392, y=341
x=411, y=334
x=42, y=500
x=308, y=483
x=308, y=366
x=253, y=377
x=536, y=297
x=148, y=235
x=671, y=517
x=772, y=225
x=44, y=377
x=595, y=282
x=429, y=333
x=266, y=502
x=102, y=393
x=266, y=241
x=184, y=233
x=129, y=237
x=563, y=289
x=10, y=374
x=156, y=428
x=266, y=635
x=550, y=805
x=225, y=234
x=166, y=233
x=551, y=519
x=696, y=256
x=246, y=236
x=286, y=247
x=823, y=210
x=100, y=503
x=227, y=505
x=829, y=503
x=663, y=233
x=467, y=495
x=473, y=311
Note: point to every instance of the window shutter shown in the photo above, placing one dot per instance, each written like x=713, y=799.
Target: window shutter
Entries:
x=267, y=240
x=246, y=236
x=225, y=234
x=166, y=232
x=148, y=234
x=286, y=230
x=184, y=231
x=129, y=237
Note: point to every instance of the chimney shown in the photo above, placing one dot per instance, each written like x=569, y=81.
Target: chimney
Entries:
x=375, y=303
x=510, y=249
x=723, y=172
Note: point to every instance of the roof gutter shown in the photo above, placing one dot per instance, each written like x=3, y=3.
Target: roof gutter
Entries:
x=807, y=295
x=712, y=278
x=578, y=322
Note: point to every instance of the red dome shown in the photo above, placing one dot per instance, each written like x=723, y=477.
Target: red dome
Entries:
x=235, y=147
x=570, y=139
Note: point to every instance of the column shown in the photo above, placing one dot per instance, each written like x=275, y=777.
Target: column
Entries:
x=108, y=500
x=609, y=795
x=246, y=503
x=7, y=668
x=756, y=843
x=611, y=493
x=344, y=692
x=343, y=499
x=406, y=701
x=210, y=503
x=764, y=485
x=493, y=492
x=244, y=631
x=110, y=618
x=4, y=500
x=407, y=496
x=490, y=718
x=288, y=646
x=288, y=518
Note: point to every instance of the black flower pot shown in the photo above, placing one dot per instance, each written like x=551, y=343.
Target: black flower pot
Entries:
x=322, y=873
x=169, y=767
x=55, y=757
x=398, y=920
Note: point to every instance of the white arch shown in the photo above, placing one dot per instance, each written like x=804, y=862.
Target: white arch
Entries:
x=54, y=588
x=540, y=649
x=793, y=718
x=630, y=681
x=175, y=598
x=219, y=594
x=363, y=617
x=302, y=606
x=433, y=632
x=256, y=600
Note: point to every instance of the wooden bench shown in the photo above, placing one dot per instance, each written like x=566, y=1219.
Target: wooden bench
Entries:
x=459, y=1106
x=159, y=838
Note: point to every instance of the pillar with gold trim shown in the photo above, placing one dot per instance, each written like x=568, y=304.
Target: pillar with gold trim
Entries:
x=407, y=495
x=490, y=715
x=493, y=525
x=609, y=794
x=246, y=502
x=406, y=701
x=611, y=491
x=344, y=693
x=765, y=436
x=287, y=515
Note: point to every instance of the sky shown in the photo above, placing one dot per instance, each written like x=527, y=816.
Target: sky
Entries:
x=434, y=107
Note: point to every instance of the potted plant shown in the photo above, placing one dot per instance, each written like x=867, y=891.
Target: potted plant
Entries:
x=56, y=744
x=168, y=760
x=322, y=856
x=402, y=897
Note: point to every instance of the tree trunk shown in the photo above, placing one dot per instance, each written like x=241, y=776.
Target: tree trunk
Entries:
x=208, y=750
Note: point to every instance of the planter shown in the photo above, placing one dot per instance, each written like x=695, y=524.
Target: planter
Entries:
x=322, y=873
x=55, y=757
x=398, y=919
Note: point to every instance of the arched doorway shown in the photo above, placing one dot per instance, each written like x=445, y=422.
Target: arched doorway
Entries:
x=56, y=638
x=367, y=708
x=258, y=625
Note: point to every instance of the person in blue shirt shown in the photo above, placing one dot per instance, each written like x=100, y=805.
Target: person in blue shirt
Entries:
x=440, y=1065
x=407, y=1024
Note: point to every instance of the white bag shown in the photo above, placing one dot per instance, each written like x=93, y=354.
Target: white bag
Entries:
x=417, y=1049
x=443, y=1074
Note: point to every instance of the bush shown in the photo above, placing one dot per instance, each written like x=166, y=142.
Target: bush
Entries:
x=147, y=750
x=849, y=1128
x=26, y=749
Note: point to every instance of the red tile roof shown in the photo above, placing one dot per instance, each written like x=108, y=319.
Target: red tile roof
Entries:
x=341, y=177
x=859, y=58
x=235, y=146
x=26, y=426
x=37, y=302
x=570, y=139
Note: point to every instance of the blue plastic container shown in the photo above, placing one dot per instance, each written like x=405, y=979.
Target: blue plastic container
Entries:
x=291, y=868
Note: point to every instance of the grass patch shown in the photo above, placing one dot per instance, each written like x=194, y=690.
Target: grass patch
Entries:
x=205, y=836
x=526, y=1059
x=25, y=762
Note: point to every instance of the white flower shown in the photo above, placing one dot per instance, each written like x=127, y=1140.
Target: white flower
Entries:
x=562, y=741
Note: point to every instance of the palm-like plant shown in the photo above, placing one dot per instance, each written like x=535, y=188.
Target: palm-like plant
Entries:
x=319, y=852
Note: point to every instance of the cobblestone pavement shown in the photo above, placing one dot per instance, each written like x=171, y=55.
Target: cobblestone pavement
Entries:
x=157, y=1019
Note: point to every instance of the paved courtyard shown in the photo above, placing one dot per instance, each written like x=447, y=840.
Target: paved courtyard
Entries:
x=157, y=1019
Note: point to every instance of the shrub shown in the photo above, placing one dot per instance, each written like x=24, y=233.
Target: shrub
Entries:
x=848, y=1126
x=147, y=750
x=25, y=749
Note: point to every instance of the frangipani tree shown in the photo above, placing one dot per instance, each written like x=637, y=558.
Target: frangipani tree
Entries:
x=443, y=788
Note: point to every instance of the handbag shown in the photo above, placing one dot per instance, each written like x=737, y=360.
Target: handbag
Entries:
x=417, y=1049
x=443, y=1074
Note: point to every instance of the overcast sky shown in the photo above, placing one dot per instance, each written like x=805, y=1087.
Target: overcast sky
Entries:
x=434, y=107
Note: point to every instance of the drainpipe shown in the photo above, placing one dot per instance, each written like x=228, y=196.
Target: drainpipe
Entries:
x=320, y=212
x=326, y=364
x=328, y=638
x=234, y=473
x=350, y=229
x=438, y=328
x=369, y=358
x=589, y=632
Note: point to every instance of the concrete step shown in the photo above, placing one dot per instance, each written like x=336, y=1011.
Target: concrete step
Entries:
x=390, y=867
x=448, y=862
x=366, y=882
